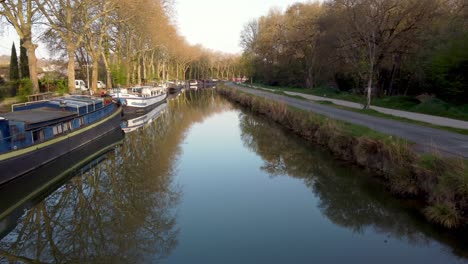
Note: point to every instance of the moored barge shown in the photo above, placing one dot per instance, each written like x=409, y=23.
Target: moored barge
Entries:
x=140, y=99
x=36, y=133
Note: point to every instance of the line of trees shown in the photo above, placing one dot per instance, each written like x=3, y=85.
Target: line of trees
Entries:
x=372, y=46
x=126, y=41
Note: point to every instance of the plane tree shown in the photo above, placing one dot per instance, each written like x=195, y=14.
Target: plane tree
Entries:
x=23, y=15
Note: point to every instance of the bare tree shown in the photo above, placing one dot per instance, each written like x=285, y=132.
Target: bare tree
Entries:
x=372, y=29
x=22, y=15
x=72, y=19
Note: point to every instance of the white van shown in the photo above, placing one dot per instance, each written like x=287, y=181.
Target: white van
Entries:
x=101, y=85
x=80, y=84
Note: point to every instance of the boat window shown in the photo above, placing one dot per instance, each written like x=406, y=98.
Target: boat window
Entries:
x=16, y=135
x=38, y=135
x=67, y=126
x=57, y=130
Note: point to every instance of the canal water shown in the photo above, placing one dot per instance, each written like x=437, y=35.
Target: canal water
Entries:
x=206, y=182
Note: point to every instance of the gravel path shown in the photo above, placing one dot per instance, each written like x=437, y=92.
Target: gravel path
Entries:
x=436, y=120
x=427, y=139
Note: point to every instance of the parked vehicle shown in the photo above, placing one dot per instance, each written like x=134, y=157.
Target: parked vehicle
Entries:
x=80, y=85
x=101, y=85
x=36, y=133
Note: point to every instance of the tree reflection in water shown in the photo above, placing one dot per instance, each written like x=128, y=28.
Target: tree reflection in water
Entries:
x=123, y=209
x=348, y=196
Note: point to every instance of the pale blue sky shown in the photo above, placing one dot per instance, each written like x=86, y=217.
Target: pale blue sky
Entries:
x=216, y=24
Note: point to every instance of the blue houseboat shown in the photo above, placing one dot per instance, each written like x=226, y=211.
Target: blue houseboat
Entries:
x=36, y=133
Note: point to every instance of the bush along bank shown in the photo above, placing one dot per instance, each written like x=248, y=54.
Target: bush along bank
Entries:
x=441, y=183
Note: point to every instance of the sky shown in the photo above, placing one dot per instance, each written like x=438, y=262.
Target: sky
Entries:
x=215, y=24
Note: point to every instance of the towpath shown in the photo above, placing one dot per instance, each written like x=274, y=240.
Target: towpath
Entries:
x=426, y=138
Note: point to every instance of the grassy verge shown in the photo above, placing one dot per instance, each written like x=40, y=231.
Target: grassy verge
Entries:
x=372, y=112
x=5, y=104
x=442, y=183
x=432, y=106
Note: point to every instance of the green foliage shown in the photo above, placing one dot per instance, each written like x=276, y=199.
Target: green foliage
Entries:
x=433, y=106
x=119, y=75
x=14, y=69
x=2, y=91
x=448, y=67
x=62, y=86
x=397, y=102
x=25, y=89
x=312, y=45
x=24, y=65
x=428, y=161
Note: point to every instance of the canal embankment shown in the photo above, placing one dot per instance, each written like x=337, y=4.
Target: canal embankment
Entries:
x=408, y=169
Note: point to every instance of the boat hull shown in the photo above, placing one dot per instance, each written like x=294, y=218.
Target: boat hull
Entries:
x=132, y=122
x=142, y=105
x=16, y=165
x=30, y=189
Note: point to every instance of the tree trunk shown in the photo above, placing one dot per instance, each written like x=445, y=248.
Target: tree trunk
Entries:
x=32, y=63
x=128, y=72
x=372, y=52
x=71, y=69
x=95, y=73
x=108, y=71
x=144, y=66
x=309, y=79
x=369, y=89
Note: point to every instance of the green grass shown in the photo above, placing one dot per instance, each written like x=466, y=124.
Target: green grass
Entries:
x=432, y=106
x=404, y=102
x=402, y=119
x=5, y=104
x=372, y=112
x=348, y=128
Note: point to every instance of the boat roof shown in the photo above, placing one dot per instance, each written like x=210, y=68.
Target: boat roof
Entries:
x=77, y=100
x=38, y=115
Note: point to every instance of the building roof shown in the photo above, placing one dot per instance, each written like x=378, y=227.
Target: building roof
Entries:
x=39, y=115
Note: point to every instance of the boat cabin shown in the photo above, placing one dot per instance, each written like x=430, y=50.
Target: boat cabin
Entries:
x=34, y=122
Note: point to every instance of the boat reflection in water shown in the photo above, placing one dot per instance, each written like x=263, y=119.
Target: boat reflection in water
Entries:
x=135, y=121
x=23, y=193
x=120, y=209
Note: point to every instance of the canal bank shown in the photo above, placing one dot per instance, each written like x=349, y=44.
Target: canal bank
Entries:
x=440, y=182
x=211, y=182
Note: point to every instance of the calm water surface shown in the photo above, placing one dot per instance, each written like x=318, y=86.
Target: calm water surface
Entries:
x=206, y=182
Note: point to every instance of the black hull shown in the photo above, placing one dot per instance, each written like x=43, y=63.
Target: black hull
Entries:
x=130, y=110
x=31, y=188
x=17, y=166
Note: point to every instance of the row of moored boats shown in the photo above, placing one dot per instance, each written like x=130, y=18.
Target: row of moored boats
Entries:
x=35, y=133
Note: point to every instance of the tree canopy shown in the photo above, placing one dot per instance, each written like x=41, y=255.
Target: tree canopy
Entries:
x=123, y=42
x=370, y=46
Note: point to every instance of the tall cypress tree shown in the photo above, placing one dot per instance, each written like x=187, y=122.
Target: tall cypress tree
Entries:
x=24, y=66
x=14, y=69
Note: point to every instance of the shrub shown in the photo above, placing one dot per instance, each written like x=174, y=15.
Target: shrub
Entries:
x=62, y=87
x=25, y=89
x=444, y=214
